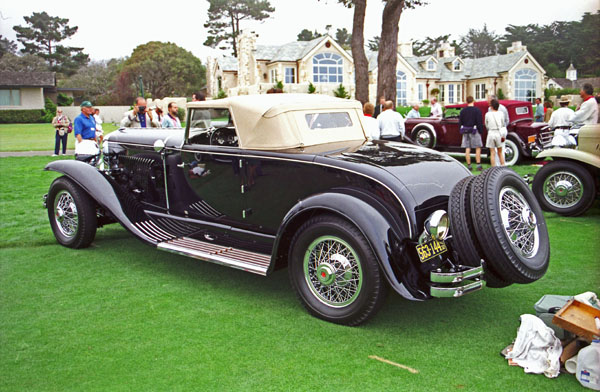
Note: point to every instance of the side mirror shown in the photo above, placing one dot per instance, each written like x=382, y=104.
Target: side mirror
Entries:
x=159, y=145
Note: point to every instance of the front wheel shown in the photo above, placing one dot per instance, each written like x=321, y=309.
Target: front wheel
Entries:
x=72, y=214
x=512, y=152
x=334, y=271
x=564, y=187
x=423, y=137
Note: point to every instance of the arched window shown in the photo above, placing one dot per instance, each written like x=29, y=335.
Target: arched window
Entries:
x=525, y=85
x=328, y=68
x=401, y=88
x=431, y=65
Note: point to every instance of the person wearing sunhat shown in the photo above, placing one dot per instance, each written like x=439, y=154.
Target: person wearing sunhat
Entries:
x=561, y=117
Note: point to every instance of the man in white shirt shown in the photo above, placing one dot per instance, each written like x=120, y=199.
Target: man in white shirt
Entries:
x=561, y=117
x=391, y=123
x=588, y=110
x=414, y=112
x=436, y=108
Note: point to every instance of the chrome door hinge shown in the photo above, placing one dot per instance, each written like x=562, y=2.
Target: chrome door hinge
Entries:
x=247, y=212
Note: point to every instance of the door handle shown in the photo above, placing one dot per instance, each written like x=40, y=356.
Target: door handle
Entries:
x=181, y=165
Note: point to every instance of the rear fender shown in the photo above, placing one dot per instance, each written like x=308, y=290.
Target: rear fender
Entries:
x=569, y=153
x=98, y=188
x=374, y=221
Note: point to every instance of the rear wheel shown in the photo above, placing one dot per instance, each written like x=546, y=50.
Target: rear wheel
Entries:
x=72, y=214
x=564, y=187
x=423, y=137
x=334, y=271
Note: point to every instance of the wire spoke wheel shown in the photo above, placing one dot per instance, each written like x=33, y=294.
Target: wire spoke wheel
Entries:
x=519, y=222
x=333, y=272
x=563, y=189
x=65, y=214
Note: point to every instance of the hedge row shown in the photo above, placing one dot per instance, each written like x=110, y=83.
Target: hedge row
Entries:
x=22, y=116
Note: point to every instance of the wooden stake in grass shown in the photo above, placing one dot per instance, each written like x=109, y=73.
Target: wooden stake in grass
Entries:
x=413, y=371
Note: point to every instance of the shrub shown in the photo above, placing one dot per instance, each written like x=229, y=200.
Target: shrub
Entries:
x=311, y=88
x=425, y=102
x=181, y=114
x=21, y=116
x=278, y=85
x=49, y=111
x=451, y=112
x=500, y=94
x=221, y=94
x=341, y=92
x=403, y=110
x=560, y=92
x=425, y=111
x=435, y=91
x=63, y=100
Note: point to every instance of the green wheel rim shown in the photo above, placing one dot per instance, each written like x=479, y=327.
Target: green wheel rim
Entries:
x=332, y=271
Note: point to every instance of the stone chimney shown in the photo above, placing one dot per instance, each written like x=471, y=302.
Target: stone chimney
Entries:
x=445, y=50
x=571, y=73
x=246, y=45
x=516, y=46
x=405, y=49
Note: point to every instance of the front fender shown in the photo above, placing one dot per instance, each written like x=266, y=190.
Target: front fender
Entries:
x=568, y=153
x=98, y=188
x=375, y=222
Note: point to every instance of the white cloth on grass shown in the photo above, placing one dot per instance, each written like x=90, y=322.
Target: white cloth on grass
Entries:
x=536, y=349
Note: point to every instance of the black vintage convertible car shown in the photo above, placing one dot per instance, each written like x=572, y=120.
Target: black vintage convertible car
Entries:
x=265, y=182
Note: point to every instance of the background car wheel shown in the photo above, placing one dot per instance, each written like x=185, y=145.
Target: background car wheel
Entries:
x=564, y=187
x=423, y=137
x=464, y=240
x=512, y=152
x=510, y=226
x=334, y=271
x=72, y=214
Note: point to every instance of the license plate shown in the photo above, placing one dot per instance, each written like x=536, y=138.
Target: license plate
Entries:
x=430, y=249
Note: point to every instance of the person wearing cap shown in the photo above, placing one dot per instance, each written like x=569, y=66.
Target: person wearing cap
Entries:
x=84, y=125
x=140, y=116
x=61, y=124
x=561, y=117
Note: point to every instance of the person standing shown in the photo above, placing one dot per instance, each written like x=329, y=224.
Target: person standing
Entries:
x=494, y=120
x=561, y=117
x=548, y=112
x=61, y=125
x=539, y=110
x=501, y=108
x=371, y=124
x=436, y=109
x=379, y=108
x=98, y=119
x=140, y=116
x=171, y=120
x=391, y=123
x=84, y=125
x=414, y=112
x=471, y=125
x=159, y=115
x=588, y=110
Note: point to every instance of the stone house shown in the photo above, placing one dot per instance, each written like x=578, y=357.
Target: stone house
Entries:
x=29, y=90
x=326, y=65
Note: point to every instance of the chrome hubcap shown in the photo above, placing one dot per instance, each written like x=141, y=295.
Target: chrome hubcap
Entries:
x=519, y=222
x=65, y=214
x=563, y=189
x=332, y=271
x=423, y=137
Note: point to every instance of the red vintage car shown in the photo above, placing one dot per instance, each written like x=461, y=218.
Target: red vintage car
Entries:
x=443, y=133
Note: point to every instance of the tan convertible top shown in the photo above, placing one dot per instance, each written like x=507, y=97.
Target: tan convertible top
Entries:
x=281, y=121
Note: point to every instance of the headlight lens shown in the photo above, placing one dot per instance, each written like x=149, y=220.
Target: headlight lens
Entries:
x=438, y=224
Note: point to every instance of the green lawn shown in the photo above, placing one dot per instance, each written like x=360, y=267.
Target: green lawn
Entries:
x=122, y=316
x=34, y=137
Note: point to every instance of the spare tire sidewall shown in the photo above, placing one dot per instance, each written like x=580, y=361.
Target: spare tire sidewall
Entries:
x=521, y=268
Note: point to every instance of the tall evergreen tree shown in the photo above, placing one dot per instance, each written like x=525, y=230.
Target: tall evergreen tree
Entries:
x=224, y=18
x=480, y=43
x=41, y=37
x=307, y=35
x=7, y=46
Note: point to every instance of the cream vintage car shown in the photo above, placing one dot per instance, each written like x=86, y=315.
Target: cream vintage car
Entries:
x=265, y=182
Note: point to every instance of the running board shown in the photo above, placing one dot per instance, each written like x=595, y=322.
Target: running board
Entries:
x=257, y=263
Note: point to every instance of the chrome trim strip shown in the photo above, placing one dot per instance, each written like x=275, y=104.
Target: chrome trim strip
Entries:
x=291, y=160
x=456, y=277
x=455, y=292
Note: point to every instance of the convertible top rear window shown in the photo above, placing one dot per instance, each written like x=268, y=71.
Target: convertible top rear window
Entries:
x=328, y=120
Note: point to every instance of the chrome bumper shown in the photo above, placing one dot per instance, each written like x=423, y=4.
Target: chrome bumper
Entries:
x=456, y=284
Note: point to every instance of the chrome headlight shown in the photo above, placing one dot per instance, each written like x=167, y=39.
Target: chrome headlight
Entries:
x=438, y=225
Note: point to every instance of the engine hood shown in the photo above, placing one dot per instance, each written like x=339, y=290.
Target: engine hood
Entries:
x=428, y=175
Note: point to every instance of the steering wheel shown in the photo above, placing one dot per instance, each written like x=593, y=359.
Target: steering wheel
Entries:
x=223, y=137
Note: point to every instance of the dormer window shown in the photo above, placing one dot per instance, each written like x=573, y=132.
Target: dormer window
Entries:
x=456, y=65
x=430, y=65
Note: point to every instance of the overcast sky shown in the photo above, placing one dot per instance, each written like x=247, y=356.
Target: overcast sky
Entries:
x=111, y=28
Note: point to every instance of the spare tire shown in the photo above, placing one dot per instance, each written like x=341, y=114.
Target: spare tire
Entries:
x=510, y=226
x=464, y=241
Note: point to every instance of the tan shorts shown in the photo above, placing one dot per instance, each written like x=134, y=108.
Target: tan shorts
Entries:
x=494, y=140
